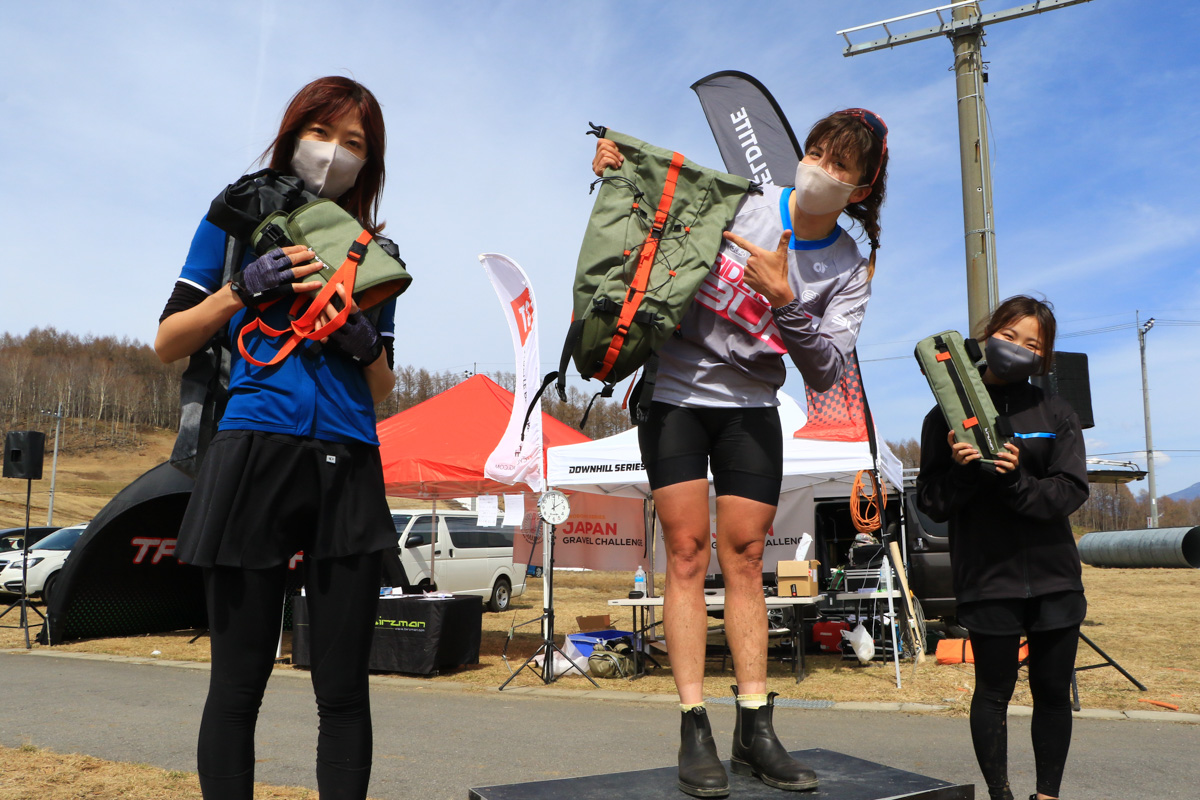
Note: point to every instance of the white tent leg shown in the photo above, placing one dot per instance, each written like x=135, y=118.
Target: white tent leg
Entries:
x=433, y=545
x=887, y=575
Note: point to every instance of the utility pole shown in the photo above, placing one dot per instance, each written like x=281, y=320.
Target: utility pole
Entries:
x=979, y=232
x=54, y=466
x=1141, y=329
x=964, y=28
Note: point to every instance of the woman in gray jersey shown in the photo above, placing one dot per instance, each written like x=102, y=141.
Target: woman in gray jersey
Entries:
x=787, y=281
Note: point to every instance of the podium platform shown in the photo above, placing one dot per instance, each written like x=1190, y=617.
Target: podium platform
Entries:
x=842, y=778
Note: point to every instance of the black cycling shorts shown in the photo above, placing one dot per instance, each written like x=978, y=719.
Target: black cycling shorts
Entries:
x=743, y=447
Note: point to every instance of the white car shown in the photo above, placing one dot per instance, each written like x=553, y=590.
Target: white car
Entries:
x=469, y=559
x=45, y=561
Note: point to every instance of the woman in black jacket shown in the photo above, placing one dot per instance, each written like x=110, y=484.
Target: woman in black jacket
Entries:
x=1015, y=563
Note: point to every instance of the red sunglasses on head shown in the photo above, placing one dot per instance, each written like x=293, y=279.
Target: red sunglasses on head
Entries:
x=875, y=124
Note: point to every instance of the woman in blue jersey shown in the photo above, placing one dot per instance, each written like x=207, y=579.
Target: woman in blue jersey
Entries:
x=295, y=464
x=788, y=261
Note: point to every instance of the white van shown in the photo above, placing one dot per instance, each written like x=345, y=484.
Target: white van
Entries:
x=469, y=559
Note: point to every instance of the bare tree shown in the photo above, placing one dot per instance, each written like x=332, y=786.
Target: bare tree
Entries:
x=908, y=451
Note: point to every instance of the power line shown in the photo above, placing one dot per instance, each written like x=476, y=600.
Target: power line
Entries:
x=889, y=358
x=1094, y=331
x=1128, y=452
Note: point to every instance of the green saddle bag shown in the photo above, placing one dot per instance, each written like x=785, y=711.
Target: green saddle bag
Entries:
x=330, y=232
x=948, y=363
x=266, y=210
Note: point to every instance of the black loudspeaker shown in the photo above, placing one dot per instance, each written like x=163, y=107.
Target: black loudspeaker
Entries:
x=23, y=452
x=1069, y=379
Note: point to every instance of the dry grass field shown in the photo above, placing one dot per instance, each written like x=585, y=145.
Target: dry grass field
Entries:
x=31, y=772
x=86, y=480
x=1143, y=618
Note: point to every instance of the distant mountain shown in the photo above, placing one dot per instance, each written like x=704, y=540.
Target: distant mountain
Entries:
x=1190, y=493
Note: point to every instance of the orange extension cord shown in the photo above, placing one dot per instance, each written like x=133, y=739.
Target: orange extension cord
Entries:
x=871, y=519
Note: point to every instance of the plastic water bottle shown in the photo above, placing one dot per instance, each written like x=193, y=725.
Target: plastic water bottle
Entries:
x=639, y=581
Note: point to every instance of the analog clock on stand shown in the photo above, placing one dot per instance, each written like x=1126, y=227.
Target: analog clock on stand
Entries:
x=553, y=508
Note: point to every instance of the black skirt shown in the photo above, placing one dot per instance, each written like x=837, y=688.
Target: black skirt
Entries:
x=262, y=497
x=1014, y=616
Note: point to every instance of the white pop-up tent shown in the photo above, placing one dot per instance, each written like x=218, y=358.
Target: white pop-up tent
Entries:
x=613, y=466
x=812, y=469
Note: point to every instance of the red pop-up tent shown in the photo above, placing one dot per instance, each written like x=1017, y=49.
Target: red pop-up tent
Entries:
x=438, y=448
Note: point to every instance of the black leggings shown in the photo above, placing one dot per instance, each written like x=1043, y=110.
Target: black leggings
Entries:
x=1051, y=662
x=245, y=609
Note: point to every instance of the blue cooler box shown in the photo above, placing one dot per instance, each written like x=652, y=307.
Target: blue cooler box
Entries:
x=580, y=645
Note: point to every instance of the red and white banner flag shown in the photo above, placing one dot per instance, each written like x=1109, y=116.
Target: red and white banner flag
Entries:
x=517, y=459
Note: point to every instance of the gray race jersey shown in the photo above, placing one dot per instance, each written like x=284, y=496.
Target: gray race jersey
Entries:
x=729, y=348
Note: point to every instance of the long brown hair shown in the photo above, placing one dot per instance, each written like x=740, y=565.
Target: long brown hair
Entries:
x=328, y=100
x=1018, y=307
x=846, y=134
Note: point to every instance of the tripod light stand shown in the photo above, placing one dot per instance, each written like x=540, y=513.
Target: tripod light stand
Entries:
x=553, y=508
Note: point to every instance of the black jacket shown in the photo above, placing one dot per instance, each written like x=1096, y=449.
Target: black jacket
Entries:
x=1010, y=536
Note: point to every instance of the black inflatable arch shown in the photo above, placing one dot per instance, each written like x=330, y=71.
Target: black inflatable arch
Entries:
x=122, y=577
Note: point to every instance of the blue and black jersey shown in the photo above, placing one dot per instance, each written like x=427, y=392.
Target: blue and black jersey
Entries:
x=315, y=392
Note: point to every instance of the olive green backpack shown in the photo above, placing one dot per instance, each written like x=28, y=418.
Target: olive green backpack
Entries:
x=948, y=363
x=652, y=237
x=611, y=659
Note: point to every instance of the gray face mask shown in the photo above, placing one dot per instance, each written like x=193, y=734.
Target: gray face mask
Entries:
x=326, y=168
x=1010, y=362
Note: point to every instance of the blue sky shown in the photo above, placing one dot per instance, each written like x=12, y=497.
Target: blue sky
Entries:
x=123, y=120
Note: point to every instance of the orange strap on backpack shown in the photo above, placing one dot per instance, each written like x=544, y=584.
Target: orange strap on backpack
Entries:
x=305, y=326
x=641, y=277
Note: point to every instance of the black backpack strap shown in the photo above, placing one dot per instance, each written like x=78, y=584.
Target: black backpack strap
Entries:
x=549, y=379
x=564, y=360
x=605, y=392
x=559, y=375
x=204, y=385
x=642, y=394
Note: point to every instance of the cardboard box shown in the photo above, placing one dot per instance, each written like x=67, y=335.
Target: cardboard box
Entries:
x=599, y=622
x=797, y=578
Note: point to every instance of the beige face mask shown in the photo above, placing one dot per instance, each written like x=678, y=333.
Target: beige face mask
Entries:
x=818, y=192
x=327, y=169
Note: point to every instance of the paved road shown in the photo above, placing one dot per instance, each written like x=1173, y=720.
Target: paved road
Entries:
x=434, y=744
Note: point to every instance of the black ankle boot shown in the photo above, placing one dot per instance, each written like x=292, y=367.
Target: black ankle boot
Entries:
x=700, y=770
x=757, y=751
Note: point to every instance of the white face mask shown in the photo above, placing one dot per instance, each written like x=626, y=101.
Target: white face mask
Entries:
x=818, y=192
x=326, y=168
